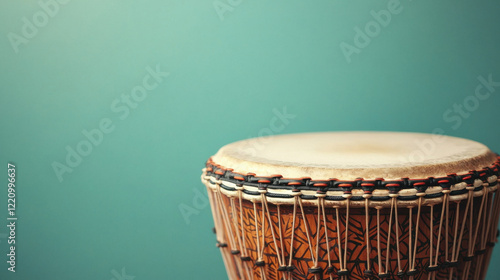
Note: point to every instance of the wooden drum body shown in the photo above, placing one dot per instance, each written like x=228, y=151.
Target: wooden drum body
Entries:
x=357, y=205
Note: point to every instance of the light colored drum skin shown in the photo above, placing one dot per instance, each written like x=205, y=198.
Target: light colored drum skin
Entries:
x=355, y=205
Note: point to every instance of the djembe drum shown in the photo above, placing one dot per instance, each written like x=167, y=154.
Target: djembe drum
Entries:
x=359, y=205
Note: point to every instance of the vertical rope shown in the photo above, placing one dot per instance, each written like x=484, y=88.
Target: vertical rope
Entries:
x=344, y=277
x=456, y=249
x=239, y=264
x=455, y=235
x=318, y=228
x=326, y=237
x=296, y=195
x=266, y=207
x=494, y=228
x=219, y=232
x=455, y=258
x=413, y=252
x=400, y=270
x=388, y=245
x=470, y=202
x=227, y=224
x=480, y=215
x=306, y=228
x=320, y=194
x=446, y=232
x=431, y=225
x=259, y=255
x=339, y=238
x=263, y=221
x=443, y=208
x=224, y=225
x=488, y=217
x=417, y=230
x=378, y=242
x=281, y=240
x=225, y=219
x=472, y=246
x=244, y=253
x=368, y=271
x=410, y=247
x=235, y=222
x=484, y=229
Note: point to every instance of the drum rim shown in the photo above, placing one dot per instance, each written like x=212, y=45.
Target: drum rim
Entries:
x=228, y=174
x=335, y=192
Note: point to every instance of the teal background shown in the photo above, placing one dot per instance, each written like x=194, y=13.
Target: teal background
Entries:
x=120, y=207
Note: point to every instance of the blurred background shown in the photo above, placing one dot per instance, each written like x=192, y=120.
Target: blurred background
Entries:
x=109, y=109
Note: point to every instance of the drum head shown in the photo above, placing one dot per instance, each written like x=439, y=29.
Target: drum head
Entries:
x=350, y=155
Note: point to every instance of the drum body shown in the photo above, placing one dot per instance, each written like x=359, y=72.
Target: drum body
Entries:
x=441, y=226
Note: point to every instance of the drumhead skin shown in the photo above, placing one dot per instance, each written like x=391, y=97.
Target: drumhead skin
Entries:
x=351, y=155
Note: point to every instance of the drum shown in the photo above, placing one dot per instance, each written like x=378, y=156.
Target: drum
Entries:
x=354, y=205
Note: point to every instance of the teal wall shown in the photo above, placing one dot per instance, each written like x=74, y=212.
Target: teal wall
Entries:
x=69, y=69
